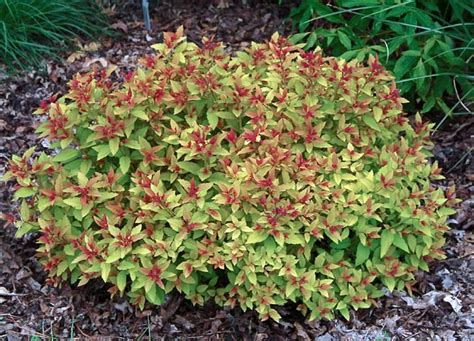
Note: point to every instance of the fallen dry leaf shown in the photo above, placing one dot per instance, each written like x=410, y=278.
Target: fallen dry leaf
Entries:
x=75, y=56
x=120, y=25
x=91, y=47
x=4, y=292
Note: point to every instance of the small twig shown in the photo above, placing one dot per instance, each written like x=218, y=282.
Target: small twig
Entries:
x=208, y=320
x=11, y=294
x=208, y=335
x=84, y=334
x=461, y=127
x=457, y=258
x=420, y=326
x=460, y=160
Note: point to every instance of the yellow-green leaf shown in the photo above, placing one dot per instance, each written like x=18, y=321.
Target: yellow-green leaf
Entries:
x=67, y=155
x=124, y=164
x=256, y=237
x=370, y=121
x=385, y=242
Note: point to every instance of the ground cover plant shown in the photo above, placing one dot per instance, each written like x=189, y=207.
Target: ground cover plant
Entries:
x=276, y=175
x=428, y=45
x=32, y=30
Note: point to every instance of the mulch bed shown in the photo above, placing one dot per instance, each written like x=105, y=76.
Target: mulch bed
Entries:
x=442, y=306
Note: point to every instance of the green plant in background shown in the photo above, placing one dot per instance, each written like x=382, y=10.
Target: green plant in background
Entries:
x=427, y=44
x=271, y=176
x=31, y=30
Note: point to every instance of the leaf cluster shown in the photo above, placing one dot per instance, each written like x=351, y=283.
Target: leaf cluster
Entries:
x=270, y=176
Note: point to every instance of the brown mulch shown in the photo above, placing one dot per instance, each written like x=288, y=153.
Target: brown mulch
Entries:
x=443, y=303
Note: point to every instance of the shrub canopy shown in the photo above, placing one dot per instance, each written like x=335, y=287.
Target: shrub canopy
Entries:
x=270, y=176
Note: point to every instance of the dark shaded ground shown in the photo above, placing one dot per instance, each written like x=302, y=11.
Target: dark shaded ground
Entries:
x=442, y=306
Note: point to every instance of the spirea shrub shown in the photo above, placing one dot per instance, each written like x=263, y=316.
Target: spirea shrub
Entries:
x=270, y=176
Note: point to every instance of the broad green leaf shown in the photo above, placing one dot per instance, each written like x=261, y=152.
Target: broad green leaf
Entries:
x=446, y=211
x=62, y=266
x=385, y=242
x=377, y=113
x=140, y=113
x=345, y=313
x=124, y=164
x=400, y=242
x=362, y=254
x=389, y=282
x=344, y=39
x=24, y=229
x=113, y=256
x=102, y=151
x=212, y=118
x=412, y=242
x=298, y=37
x=175, y=223
x=67, y=155
x=24, y=192
x=74, y=202
x=404, y=64
x=257, y=237
x=295, y=239
x=121, y=280
x=370, y=121
x=419, y=73
x=190, y=167
x=114, y=145
x=105, y=271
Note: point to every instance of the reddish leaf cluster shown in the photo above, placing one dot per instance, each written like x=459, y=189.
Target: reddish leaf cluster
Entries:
x=276, y=175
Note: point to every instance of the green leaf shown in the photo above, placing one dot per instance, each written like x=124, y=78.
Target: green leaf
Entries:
x=362, y=254
x=344, y=39
x=298, y=37
x=295, y=239
x=429, y=104
x=124, y=164
x=62, y=267
x=114, y=145
x=24, y=192
x=385, y=242
x=213, y=119
x=25, y=211
x=312, y=39
x=190, y=167
x=371, y=122
x=412, y=242
x=24, y=229
x=140, y=113
x=67, y=155
x=274, y=315
x=345, y=313
x=102, y=151
x=121, y=280
x=105, y=271
x=446, y=211
x=114, y=256
x=400, y=242
x=74, y=202
x=403, y=65
x=225, y=115
x=377, y=113
x=419, y=73
x=175, y=223
x=389, y=283
x=256, y=237
x=412, y=53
